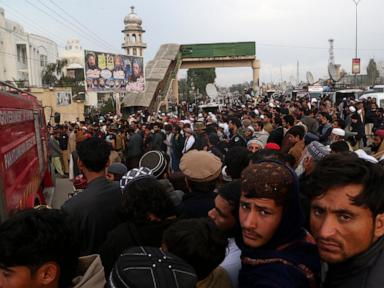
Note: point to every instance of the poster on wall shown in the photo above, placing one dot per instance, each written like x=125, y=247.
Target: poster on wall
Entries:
x=113, y=72
x=63, y=98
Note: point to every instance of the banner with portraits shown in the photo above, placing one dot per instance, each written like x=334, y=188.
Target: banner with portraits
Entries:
x=111, y=72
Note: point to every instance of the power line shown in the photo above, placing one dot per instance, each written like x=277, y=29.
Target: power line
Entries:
x=310, y=47
x=63, y=21
x=14, y=55
x=57, y=20
x=34, y=25
x=22, y=36
x=80, y=29
x=82, y=25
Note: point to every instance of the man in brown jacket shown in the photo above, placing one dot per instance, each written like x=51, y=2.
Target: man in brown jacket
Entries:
x=293, y=142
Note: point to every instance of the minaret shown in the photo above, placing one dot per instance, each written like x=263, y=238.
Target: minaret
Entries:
x=133, y=35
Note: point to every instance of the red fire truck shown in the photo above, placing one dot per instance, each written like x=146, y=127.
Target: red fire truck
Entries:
x=24, y=170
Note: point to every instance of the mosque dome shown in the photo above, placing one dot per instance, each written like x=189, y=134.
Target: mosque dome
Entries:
x=132, y=18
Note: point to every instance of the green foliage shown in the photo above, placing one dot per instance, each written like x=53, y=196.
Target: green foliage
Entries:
x=372, y=71
x=53, y=73
x=199, y=78
x=240, y=87
x=53, y=76
x=19, y=83
x=108, y=107
x=183, y=89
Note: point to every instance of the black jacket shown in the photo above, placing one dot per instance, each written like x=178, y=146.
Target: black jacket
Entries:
x=94, y=212
x=362, y=271
x=196, y=204
x=134, y=146
x=276, y=136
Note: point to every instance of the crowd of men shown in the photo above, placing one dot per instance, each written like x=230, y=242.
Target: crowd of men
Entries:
x=268, y=193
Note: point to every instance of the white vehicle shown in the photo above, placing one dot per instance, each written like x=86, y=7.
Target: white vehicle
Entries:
x=379, y=96
x=378, y=88
x=315, y=91
x=339, y=95
x=211, y=107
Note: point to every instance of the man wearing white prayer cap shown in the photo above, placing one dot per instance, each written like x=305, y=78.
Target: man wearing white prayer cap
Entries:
x=337, y=135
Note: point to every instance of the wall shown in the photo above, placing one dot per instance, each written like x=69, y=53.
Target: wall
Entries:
x=49, y=99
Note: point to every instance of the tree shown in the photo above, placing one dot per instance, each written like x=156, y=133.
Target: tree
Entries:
x=240, y=87
x=199, y=78
x=53, y=76
x=183, y=89
x=372, y=71
x=53, y=73
x=108, y=107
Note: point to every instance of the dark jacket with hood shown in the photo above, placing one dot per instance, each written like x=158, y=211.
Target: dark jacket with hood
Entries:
x=362, y=271
x=290, y=259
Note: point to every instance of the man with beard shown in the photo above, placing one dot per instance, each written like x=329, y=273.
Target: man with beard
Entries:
x=157, y=138
x=201, y=137
x=347, y=220
x=236, y=139
x=225, y=215
x=92, y=70
x=276, y=251
x=277, y=135
x=378, y=145
x=137, y=74
x=56, y=152
x=325, y=128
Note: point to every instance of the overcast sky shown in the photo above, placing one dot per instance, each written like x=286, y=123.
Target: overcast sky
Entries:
x=285, y=31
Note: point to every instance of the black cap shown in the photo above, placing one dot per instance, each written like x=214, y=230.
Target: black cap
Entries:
x=148, y=267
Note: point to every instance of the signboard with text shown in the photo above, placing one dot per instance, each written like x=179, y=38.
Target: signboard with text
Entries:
x=108, y=72
x=356, y=66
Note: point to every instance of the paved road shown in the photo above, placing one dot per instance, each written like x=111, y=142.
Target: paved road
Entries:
x=63, y=186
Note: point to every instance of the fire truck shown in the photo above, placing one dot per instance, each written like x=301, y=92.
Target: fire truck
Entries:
x=25, y=175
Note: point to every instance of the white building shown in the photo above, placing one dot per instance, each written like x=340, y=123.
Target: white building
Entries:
x=23, y=56
x=73, y=52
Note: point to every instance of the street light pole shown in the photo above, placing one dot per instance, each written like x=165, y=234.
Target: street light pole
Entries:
x=356, y=4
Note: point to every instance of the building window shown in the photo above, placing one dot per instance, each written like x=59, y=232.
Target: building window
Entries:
x=21, y=53
x=134, y=52
x=43, y=60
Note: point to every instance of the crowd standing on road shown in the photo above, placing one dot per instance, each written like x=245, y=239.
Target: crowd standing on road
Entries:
x=266, y=193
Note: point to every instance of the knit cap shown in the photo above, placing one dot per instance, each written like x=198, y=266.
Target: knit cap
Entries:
x=317, y=150
x=256, y=141
x=134, y=175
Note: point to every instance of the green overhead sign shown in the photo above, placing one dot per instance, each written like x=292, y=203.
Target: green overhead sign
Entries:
x=235, y=49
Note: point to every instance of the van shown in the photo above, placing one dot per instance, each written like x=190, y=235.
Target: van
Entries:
x=351, y=94
x=379, y=96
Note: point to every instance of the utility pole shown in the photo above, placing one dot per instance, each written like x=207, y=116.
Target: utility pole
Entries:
x=281, y=75
x=297, y=74
x=356, y=4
